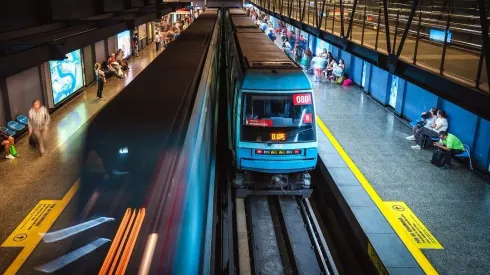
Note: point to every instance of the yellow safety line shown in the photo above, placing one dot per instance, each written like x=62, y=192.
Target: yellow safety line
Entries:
x=411, y=246
x=27, y=250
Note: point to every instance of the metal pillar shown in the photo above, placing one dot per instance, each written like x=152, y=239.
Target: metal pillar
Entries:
x=484, y=30
x=387, y=26
x=341, y=18
x=352, y=18
x=444, y=46
x=407, y=27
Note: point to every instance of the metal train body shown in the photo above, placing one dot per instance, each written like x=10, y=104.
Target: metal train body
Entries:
x=271, y=114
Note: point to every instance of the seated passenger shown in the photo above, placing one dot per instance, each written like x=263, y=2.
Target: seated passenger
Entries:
x=7, y=141
x=113, y=65
x=450, y=145
x=120, y=59
x=439, y=125
x=338, y=72
x=331, y=63
x=428, y=118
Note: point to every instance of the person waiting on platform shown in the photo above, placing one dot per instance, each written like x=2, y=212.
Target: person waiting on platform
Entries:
x=318, y=64
x=7, y=141
x=38, y=124
x=450, y=145
x=306, y=60
x=338, y=72
x=428, y=118
x=120, y=59
x=263, y=26
x=271, y=35
x=114, y=66
x=298, y=53
x=439, y=125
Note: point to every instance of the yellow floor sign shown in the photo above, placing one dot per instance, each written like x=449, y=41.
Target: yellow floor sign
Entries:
x=414, y=227
x=32, y=229
x=29, y=229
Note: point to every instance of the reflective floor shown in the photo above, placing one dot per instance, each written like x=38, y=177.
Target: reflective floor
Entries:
x=30, y=178
x=453, y=204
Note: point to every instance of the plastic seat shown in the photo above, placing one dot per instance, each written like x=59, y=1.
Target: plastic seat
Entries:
x=466, y=154
x=413, y=123
x=10, y=132
x=435, y=139
x=14, y=125
x=22, y=119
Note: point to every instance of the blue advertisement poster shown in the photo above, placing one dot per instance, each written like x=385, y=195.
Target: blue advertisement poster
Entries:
x=66, y=76
x=124, y=42
x=439, y=35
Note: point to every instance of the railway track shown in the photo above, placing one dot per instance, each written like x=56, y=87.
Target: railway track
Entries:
x=280, y=235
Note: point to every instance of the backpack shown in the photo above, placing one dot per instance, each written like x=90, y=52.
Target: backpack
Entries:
x=438, y=158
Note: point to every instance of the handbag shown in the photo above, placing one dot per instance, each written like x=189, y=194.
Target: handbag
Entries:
x=438, y=158
x=32, y=142
x=421, y=123
x=13, y=151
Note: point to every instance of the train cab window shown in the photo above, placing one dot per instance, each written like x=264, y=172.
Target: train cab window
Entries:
x=277, y=118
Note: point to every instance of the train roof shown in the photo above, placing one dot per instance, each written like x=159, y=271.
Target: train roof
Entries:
x=236, y=11
x=276, y=80
x=243, y=22
x=259, y=51
x=148, y=106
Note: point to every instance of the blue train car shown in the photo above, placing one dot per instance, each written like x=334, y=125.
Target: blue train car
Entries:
x=271, y=113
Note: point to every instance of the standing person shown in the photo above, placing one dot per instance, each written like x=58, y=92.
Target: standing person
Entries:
x=38, y=124
x=100, y=78
x=135, y=44
x=158, y=39
x=271, y=35
x=7, y=142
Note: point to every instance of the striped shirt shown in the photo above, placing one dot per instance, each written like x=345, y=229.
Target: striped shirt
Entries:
x=38, y=119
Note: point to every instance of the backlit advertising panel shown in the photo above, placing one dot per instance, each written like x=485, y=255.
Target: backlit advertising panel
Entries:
x=124, y=42
x=66, y=76
x=142, y=31
x=439, y=35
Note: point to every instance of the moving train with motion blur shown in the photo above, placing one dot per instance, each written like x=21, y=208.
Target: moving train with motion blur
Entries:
x=271, y=113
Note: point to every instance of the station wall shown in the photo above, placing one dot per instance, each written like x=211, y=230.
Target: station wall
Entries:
x=2, y=111
x=412, y=100
x=23, y=88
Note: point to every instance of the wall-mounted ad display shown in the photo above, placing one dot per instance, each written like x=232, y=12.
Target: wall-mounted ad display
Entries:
x=66, y=76
x=124, y=42
x=142, y=31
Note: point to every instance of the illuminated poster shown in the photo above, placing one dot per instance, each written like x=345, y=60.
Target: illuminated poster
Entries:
x=439, y=35
x=124, y=42
x=142, y=31
x=66, y=76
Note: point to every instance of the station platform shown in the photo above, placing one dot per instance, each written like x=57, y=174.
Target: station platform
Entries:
x=362, y=146
x=31, y=181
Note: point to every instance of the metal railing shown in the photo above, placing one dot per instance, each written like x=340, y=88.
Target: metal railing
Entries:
x=457, y=53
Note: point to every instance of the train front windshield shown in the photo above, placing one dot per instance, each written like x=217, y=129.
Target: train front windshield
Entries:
x=278, y=118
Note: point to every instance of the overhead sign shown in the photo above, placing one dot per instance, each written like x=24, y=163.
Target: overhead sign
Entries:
x=302, y=99
x=413, y=226
x=258, y=122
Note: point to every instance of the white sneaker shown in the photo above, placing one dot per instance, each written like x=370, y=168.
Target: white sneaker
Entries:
x=9, y=157
x=416, y=147
x=410, y=138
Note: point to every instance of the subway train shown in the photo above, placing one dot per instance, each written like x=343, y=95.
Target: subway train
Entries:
x=271, y=113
